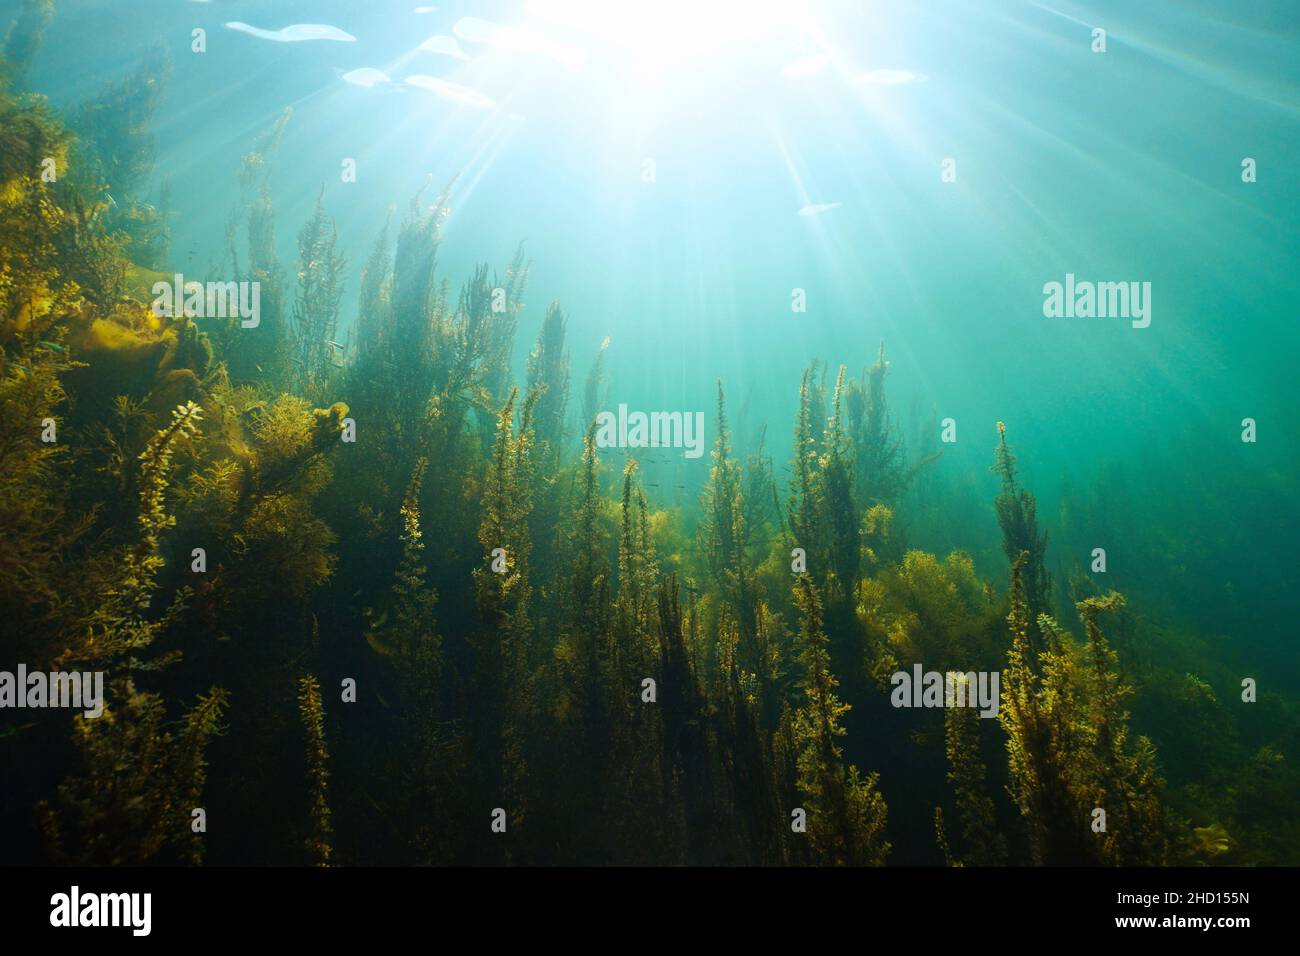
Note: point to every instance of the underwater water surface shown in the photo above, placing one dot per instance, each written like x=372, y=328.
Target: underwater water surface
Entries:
x=595, y=433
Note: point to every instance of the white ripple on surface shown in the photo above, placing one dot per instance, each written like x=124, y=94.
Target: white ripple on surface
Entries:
x=445, y=45
x=295, y=33
x=817, y=208
x=451, y=92
x=366, y=76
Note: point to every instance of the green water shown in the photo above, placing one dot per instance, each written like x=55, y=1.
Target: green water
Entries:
x=729, y=193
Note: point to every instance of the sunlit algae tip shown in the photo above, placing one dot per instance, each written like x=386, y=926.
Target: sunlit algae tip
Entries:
x=815, y=208
x=806, y=65
x=295, y=33
x=452, y=92
x=366, y=76
x=445, y=45
x=890, y=77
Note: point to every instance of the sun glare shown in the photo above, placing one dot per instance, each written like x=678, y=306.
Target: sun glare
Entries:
x=646, y=43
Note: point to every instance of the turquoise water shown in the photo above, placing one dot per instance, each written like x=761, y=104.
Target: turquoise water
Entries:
x=1115, y=166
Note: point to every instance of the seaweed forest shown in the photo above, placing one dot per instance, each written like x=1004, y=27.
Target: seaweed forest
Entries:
x=382, y=595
